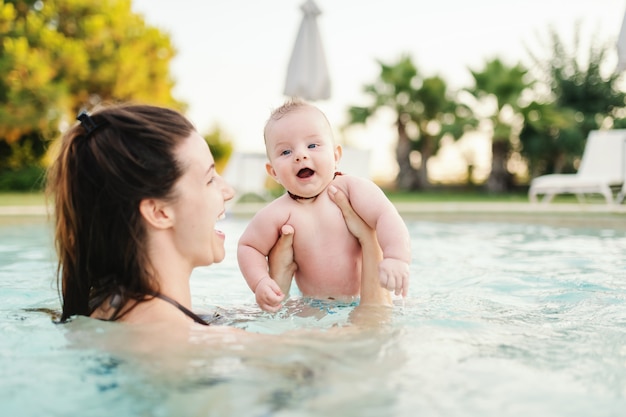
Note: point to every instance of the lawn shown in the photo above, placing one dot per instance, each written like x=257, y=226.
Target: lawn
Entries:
x=456, y=195
x=433, y=196
x=453, y=195
x=22, y=199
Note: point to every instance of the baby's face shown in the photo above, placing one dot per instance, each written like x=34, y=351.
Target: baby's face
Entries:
x=302, y=153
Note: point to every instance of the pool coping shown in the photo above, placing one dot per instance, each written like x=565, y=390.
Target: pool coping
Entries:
x=473, y=207
x=578, y=215
x=249, y=209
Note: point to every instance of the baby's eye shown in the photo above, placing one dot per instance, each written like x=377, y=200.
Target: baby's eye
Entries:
x=211, y=180
x=312, y=146
x=285, y=152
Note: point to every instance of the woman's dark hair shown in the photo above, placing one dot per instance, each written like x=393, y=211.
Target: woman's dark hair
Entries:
x=108, y=163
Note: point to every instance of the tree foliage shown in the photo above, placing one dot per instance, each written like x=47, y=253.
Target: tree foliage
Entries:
x=545, y=117
x=425, y=112
x=221, y=147
x=498, y=90
x=58, y=56
x=581, y=99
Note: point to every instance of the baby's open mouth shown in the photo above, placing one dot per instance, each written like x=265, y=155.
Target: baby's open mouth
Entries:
x=305, y=173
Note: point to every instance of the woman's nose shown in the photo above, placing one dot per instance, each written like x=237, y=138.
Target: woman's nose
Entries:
x=227, y=191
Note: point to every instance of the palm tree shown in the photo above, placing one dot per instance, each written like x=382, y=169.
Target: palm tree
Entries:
x=497, y=92
x=421, y=105
x=438, y=116
x=393, y=90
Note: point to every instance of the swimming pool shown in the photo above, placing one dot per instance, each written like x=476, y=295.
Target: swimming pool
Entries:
x=502, y=319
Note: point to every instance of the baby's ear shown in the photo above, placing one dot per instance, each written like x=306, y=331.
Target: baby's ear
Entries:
x=338, y=153
x=156, y=213
x=271, y=172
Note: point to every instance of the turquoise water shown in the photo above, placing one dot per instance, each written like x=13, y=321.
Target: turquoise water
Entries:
x=502, y=319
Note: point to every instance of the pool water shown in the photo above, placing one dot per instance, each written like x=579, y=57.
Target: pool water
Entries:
x=502, y=319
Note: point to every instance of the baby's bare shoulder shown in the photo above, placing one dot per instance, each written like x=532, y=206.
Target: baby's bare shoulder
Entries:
x=271, y=216
x=347, y=182
x=275, y=209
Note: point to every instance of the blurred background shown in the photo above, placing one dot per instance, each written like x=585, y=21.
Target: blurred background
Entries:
x=484, y=93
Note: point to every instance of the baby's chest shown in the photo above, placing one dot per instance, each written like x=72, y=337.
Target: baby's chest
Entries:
x=317, y=226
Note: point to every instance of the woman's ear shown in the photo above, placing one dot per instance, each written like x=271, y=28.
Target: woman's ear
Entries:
x=156, y=213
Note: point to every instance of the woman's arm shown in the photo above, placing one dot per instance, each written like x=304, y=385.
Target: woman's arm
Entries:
x=282, y=266
x=373, y=206
x=371, y=291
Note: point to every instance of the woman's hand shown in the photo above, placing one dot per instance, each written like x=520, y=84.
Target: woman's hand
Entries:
x=282, y=266
x=356, y=225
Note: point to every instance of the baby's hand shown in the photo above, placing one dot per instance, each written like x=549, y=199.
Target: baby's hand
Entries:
x=268, y=295
x=394, y=275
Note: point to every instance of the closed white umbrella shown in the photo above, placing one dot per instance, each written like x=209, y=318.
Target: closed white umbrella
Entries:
x=621, y=47
x=307, y=73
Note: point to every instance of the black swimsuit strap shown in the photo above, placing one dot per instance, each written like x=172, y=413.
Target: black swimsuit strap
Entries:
x=182, y=308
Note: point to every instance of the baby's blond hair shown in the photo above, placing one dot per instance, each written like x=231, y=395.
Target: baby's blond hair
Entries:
x=289, y=106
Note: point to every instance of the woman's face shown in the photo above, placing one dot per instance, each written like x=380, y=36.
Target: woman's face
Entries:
x=201, y=194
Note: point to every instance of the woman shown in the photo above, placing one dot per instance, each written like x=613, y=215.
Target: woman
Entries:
x=136, y=199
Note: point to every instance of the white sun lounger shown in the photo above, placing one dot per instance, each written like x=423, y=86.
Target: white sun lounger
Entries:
x=602, y=169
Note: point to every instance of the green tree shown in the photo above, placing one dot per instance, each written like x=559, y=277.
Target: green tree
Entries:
x=540, y=135
x=580, y=99
x=497, y=94
x=221, y=147
x=425, y=112
x=58, y=56
x=438, y=114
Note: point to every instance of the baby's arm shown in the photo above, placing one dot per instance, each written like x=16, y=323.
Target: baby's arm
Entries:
x=374, y=207
x=268, y=295
x=252, y=250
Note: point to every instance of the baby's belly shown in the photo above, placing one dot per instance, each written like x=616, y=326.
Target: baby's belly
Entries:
x=327, y=270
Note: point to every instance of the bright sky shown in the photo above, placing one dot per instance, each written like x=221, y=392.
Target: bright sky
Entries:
x=233, y=55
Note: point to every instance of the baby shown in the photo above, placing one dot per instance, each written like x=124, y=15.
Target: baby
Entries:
x=303, y=158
